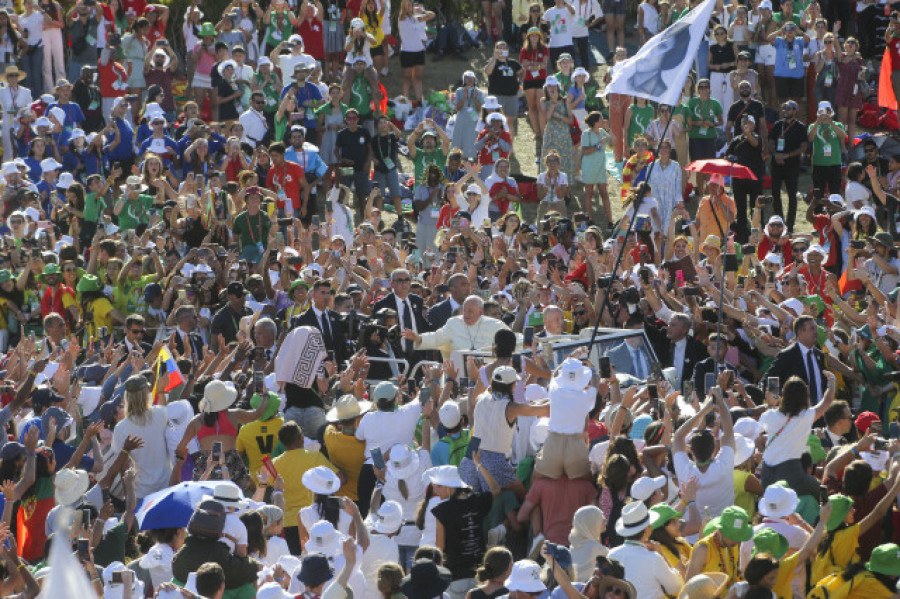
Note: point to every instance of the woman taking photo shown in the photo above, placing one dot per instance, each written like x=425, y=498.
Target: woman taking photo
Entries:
x=467, y=102
x=722, y=58
x=411, y=24
x=504, y=75
x=534, y=58
x=594, y=142
x=427, y=202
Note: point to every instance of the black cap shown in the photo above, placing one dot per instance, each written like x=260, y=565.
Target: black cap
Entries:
x=108, y=410
x=43, y=397
x=236, y=288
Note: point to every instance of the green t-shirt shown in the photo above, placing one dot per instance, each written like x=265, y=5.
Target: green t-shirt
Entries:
x=270, y=91
x=112, y=547
x=701, y=110
x=677, y=14
x=252, y=229
x=779, y=18
x=423, y=159
x=93, y=206
x=826, y=145
x=641, y=116
x=129, y=297
x=135, y=212
x=361, y=95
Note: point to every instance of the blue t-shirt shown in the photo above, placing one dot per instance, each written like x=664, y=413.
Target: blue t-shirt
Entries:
x=62, y=453
x=170, y=144
x=34, y=168
x=787, y=55
x=125, y=149
x=306, y=92
x=74, y=115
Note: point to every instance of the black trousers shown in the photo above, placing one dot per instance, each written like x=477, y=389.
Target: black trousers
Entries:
x=826, y=180
x=745, y=192
x=365, y=486
x=787, y=174
x=292, y=538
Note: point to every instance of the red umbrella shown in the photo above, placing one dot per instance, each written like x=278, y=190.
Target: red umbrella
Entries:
x=719, y=166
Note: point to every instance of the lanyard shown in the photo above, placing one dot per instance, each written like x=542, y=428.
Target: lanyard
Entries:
x=730, y=567
x=258, y=227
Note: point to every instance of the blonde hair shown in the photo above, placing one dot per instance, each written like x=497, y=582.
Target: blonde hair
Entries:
x=137, y=405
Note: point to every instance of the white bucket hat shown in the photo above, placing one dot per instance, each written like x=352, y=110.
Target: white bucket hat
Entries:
x=321, y=480
x=229, y=495
x=573, y=375
x=449, y=414
x=404, y=462
x=491, y=103
x=323, y=538
x=65, y=181
x=388, y=519
x=643, y=488
x=217, y=396
x=525, y=577
x=539, y=431
x=70, y=486
x=748, y=427
x=50, y=164
x=634, y=519
x=347, y=407
x=89, y=399
x=446, y=476
x=743, y=449
x=778, y=502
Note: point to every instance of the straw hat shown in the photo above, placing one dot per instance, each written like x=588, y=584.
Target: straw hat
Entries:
x=217, y=396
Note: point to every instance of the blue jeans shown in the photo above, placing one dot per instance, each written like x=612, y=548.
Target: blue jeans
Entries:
x=74, y=71
x=33, y=65
x=309, y=419
x=389, y=181
x=407, y=552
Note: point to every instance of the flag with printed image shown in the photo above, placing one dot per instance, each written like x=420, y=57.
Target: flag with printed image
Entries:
x=166, y=360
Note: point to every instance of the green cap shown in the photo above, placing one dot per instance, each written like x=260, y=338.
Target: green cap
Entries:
x=50, y=269
x=814, y=443
x=207, y=30
x=666, y=514
x=814, y=300
x=840, y=507
x=274, y=403
x=734, y=523
x=88, y=283
x=298, y=283
x=768, y=540
x=864, y=332
x=885, y=560
x=5, y=275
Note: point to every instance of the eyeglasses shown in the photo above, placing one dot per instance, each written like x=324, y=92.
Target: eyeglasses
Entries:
x=136, y=331
x=829, y=41
x=17, y=222
x=702, y=87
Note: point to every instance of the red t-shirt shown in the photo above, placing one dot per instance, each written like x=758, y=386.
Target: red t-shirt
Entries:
x=137, y=6
x=445, y=215
x=286, y=177
x=894, y=47
x=490, y=153
x=558, y=501
x=766, y=246
x=109, y=74
x=534, y=56
x=313, y=37
x=156, y=32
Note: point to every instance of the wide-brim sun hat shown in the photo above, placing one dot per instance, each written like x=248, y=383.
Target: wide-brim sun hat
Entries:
x=388, y=518
x=445, y=476
x=324, y=539
x=403, y=462
x=573, y=375
x=229, y=495
x=347, y=407
x=426, y=580
x=743, y=449
x=634, y=519
x=321, y=480
x=70, y=485
x=778, y=502
x=218, y=396
x=525, y=577
x=703, y=586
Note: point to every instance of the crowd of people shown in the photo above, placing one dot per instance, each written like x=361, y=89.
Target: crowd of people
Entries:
x=269, y=328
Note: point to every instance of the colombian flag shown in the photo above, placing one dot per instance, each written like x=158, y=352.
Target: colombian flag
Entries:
x=175, y=379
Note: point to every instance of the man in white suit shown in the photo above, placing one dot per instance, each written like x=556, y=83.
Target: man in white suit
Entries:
x=469, y=331
x=13, y=97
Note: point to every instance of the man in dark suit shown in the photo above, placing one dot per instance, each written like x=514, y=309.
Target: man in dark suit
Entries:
x=440, y=313
x=134, y=335
x=708, y=365
x=838, y=425
x=185, y=325
x=410, y=310
x=320, y=316
x=803, y=359
x=675, y=347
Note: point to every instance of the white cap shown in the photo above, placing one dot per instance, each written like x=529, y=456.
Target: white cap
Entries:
x=49, y=164
x=357, y=23
x=58, y=113
x=643, y=488
x=10, y=168
x=836, y=198
x=76, y=133
x=775, y=220
x=65, y=181
x=579, y=72
x=263, y=62
x=449, y=414
x=473, y=188
x=825, y=105
x=551, y=80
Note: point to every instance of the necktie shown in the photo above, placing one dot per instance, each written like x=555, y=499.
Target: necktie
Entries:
x=268, y=355
x=638, y=365
x=811, y=375
x=407, y=324
x=326, y=331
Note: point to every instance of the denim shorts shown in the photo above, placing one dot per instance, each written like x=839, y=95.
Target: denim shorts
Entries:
x=390, y=181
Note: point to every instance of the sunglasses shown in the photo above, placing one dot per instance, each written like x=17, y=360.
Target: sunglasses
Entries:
x=614, y=590
x=136, y=331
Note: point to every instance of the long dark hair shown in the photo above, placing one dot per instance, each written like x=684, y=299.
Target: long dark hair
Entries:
x=662, y=536
x=10, y=30
x=794, y=397
x=88, y=298
x=256, y=539
x=326, y=511
x=854, y=569
x=423, y=505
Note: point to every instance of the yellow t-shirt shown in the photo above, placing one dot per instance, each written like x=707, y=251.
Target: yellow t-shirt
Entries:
x=840, y=555
x=347, y=453
x=866, y=586
x=98, y=315
x=786, y=568
x=743, y=498
x=291, y=465
x=684, y=554
x=721, y=559
x=257, y=439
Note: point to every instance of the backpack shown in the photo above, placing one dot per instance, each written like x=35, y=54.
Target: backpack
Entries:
x=832, y=586
x=458, y=446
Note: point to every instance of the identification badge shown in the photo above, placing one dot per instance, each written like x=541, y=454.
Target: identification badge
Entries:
x=90, y=39
x=780, y=145
x=535, y=74
x=332, y=27
x=310, y=114
x=702, y=131
x=276, y=35
x=792, y=63
x=828, y=80
x=282, y=196
x=259, y=246
x=855, y=88
x=495, y=156
x=826, y=150
x=389, y=164
x=435, y=213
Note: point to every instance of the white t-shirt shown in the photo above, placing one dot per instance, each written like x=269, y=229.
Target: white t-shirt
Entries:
x=275, y=549
x=560, y=20
x=235, y=528
x=33, y=25
x=429, y=526
x=561, y=179
x=287, y=63
x=381, y=550
x=386, y=429
x=583, y=12
x=786, y=436
x=415, y=493
x=651, y=17
x=309, y=515
x=152, y=460
x=716, y=485
x=568, y=409
x=648, y=205
x=482, y=212
x=856, y=192
x=413, y=35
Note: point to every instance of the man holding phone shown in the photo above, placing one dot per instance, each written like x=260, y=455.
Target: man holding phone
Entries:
x=410, y=310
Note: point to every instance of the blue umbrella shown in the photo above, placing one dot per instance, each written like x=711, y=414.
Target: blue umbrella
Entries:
x=172, y=507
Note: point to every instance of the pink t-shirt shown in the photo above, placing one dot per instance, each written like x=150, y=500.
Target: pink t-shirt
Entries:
x=558, y=501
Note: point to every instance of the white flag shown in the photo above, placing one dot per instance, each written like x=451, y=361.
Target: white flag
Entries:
x=658, y=71
x=67, y=578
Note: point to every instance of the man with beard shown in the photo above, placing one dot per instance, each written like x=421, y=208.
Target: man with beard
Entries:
x=307, y=156
x=746, y=105
x=787, y=143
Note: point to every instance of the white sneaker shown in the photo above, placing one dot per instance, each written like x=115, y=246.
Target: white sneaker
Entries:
x=384, y=71
x=497, y=535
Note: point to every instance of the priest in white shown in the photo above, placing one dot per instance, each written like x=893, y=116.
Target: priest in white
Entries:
x=469, y=331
